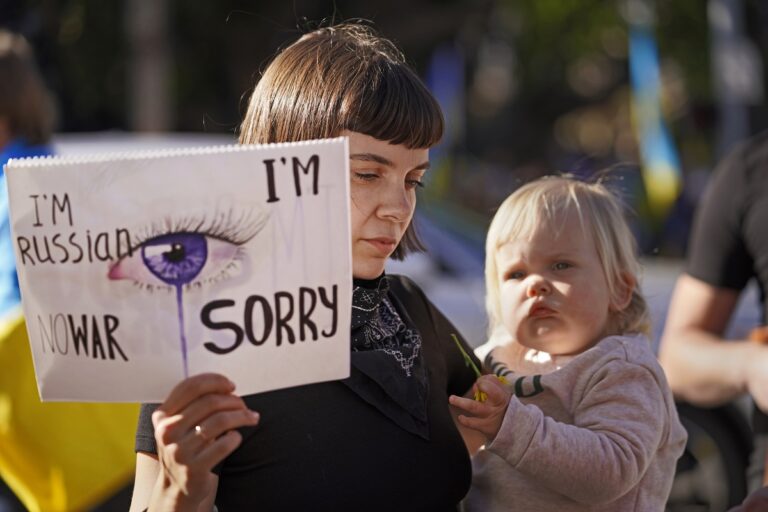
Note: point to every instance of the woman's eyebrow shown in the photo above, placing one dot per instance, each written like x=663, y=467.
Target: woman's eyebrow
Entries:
x=373, y=157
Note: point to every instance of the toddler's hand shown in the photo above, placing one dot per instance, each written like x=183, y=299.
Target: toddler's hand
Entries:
x=486, y=416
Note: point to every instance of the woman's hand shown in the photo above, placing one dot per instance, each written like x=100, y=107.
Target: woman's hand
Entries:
x=486, y=416
x=194, y=431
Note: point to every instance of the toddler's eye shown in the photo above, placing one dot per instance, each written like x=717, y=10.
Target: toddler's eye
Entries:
x=561, y=265
x=515, y=275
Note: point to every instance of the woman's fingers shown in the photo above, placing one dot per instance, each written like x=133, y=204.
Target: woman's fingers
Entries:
x=219, y=449
x=216, y=425
x=192, y=388
x=195, y=429
x=204, y=407
x=210, y=431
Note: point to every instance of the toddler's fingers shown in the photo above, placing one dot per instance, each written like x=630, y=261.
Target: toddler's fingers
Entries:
x=472, y=423
x=495, y=391
x=466, y=404
x=489, y=380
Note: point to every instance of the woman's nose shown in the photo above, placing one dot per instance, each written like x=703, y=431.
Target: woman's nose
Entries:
x=538, y=287
x=395, y=205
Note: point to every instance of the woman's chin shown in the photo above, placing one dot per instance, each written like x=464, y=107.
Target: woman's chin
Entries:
x=368, y=270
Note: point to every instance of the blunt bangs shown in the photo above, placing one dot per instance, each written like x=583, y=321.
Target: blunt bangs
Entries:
x=393, y=105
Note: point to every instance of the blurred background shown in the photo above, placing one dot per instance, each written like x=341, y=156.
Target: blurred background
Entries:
x=528, y=87
x=649, y=94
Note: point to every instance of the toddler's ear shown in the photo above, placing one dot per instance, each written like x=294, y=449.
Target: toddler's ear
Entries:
x=622, y=294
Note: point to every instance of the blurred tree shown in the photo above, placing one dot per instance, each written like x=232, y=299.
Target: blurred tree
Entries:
x=546, y=81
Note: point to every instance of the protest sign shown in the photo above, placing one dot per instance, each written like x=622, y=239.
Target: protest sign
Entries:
x=139, y=270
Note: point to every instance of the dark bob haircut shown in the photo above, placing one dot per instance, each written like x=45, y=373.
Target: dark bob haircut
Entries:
x=344, y=77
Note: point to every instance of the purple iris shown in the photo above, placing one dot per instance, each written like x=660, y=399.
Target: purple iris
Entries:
x=176, y=258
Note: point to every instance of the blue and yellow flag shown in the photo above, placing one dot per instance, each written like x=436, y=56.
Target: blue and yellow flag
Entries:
x=661, y=165
x=57, y=456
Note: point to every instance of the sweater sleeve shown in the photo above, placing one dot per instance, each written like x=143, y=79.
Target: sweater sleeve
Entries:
x=618, y=426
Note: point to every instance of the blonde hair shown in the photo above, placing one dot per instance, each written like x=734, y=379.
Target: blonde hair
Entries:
x=600, y=211
x=344, y=77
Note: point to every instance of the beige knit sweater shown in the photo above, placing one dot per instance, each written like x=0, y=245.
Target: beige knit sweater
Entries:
x=599, y=434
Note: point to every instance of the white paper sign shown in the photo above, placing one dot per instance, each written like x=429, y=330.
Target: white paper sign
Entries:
x=137, y=271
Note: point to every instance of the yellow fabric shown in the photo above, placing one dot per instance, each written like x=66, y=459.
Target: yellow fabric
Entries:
x=57, y=456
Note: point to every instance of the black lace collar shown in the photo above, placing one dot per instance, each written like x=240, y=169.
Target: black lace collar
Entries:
x=387, y=367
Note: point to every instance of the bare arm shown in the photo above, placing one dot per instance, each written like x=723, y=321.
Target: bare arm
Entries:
x=149, y=481
x=195, y=429
x=147, y=471
x=701, y=368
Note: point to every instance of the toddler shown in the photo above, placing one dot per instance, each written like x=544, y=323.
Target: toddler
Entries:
x=583, y=418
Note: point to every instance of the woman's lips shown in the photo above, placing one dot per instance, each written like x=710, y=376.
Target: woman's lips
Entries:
x=383, y=245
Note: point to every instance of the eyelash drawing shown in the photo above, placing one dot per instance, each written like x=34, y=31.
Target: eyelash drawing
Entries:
x=226, y=226
x=223, y=274
x=176, y=251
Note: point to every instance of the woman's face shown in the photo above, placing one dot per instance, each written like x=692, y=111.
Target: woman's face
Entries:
x=384, y=178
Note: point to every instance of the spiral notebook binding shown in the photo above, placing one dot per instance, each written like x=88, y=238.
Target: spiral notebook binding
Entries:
x=53, y=160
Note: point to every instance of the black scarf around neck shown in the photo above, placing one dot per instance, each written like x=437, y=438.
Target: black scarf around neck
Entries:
x=387, y=367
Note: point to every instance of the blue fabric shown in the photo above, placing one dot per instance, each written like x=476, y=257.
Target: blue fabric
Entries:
x=9, y=282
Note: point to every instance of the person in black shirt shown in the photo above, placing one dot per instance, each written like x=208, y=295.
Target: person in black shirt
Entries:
x=728, y=248
x=383, y=439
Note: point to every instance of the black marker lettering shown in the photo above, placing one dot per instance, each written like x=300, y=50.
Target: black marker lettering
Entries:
x=22, y=241
x=55, y=242
x=37, y=223
x=89, y=242
x=305, y=311
x=79, y=333
x=270, y=165
x=97, y=345
x=127, y=236
x=248, y=319
x=205, y=317
x=333, y=305
x=282, y=320
x=48, y=258
x=312, y=165
x=102, y=240
x=110, y=325
x=63, y=207
x=78, y=246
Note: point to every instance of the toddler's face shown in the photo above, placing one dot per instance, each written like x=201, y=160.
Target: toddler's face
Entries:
x=554, y=294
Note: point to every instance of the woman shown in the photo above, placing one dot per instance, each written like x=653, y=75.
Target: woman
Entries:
x=383, y=439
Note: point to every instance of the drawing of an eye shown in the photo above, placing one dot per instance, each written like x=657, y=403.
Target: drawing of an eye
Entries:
x=175, y=259
x=180, y=254
x=187, y=253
